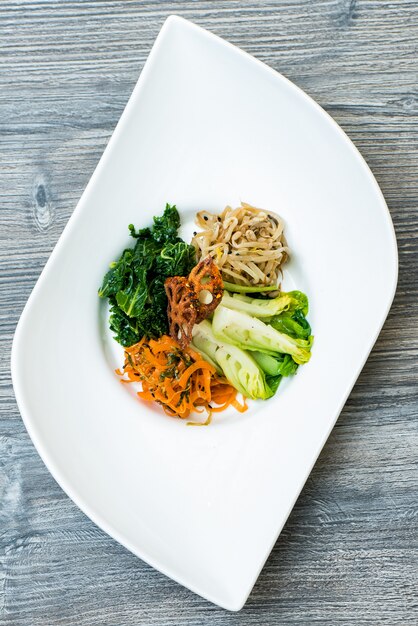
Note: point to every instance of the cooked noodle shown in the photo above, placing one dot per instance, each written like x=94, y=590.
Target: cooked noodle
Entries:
x=247, y=244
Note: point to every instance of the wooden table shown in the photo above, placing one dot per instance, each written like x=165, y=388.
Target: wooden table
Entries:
x=349, y=551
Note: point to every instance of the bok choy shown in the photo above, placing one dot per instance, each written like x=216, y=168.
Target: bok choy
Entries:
x=250, y=333
x=238, y=366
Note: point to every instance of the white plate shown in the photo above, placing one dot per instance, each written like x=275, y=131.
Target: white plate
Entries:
x=205, y=126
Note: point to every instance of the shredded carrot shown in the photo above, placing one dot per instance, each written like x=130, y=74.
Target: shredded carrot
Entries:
x=180, y=380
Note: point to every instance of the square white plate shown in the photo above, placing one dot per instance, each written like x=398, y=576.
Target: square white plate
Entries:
x=206, y=125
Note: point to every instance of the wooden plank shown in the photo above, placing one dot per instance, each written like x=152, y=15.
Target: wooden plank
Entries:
x=349, y=553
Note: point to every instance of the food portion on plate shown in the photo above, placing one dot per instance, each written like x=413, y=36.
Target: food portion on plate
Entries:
x=201, y=322
x=247, y=244
x=182, y=381
x=135, y=283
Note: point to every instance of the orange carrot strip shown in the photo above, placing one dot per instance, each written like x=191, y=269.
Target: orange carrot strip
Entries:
x=240, y=407
x=181, y=388
x=193, y=368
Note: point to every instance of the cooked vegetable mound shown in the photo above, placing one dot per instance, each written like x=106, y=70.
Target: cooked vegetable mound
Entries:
x=134, y=283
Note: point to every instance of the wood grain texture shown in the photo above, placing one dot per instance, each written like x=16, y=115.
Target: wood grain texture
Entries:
x=349, y=552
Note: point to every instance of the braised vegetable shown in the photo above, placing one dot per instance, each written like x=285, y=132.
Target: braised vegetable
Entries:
x=250, y=333
x=192, y=299
x=237, y=365
x=134, y=284
x=293, y=323
x=258, y=307
x=181, y=381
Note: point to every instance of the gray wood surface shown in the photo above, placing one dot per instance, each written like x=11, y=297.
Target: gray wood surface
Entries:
x=349, y=553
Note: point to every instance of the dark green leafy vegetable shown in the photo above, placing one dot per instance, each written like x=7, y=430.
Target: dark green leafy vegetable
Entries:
x=115, y=278
x=125, y=328
x=273, y=382
x=285, y=366
x=294, y=324
x=166, y=227
x=135, y=283
x=275, y=367
x=279, y=364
